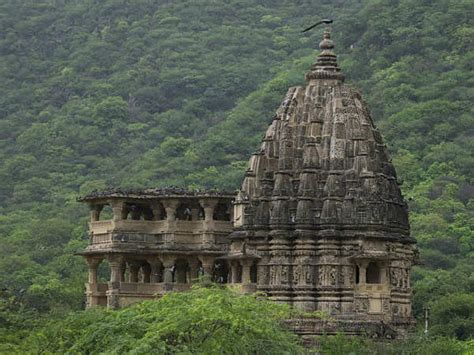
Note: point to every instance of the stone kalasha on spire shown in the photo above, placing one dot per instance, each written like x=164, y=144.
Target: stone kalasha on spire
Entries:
x=326, y=66
x=323, y=212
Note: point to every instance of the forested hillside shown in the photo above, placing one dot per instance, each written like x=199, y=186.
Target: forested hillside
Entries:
x=159, y=92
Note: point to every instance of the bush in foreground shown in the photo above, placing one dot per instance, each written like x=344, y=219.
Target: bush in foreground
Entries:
x=206, y=320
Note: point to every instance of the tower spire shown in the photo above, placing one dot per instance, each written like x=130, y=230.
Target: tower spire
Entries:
x=326, y=66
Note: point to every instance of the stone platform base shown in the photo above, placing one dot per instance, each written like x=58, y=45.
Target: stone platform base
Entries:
x=308, y=328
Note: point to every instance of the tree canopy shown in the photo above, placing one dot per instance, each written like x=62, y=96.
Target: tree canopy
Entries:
x=154, y=93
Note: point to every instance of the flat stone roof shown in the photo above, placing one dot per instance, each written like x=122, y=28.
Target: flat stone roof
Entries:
x=149, y=193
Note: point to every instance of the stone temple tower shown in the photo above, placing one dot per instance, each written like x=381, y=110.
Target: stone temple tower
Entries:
x=321, y=215
x=319, y=222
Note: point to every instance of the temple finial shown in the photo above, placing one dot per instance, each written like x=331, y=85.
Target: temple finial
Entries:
x=326, y=66
x=326, y=43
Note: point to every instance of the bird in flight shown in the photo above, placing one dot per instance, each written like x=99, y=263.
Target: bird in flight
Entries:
x=326, y=21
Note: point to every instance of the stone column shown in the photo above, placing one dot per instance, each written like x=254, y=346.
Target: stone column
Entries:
x=246, y=265
x=93, y=264
x=383, y=273
x=118, y=208
x=168, y=264
x=193, y=270
x=155, y=266
x=170, y=208
x=263, y=271
x=91, y=287
x=234, y=265
x=208, y=265
x=115, y=263
x=115, y=268
x=133, y=269
x=362, y=272
x=208, y=205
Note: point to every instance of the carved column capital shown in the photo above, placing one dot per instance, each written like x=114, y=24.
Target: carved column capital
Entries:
x=118, y=209
x=115, y=263
x=208, y=204
x=93, y=261
x=170, y=206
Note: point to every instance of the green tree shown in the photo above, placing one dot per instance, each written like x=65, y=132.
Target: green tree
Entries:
x=206, y=320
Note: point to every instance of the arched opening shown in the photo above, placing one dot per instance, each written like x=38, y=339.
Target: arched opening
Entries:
x=184, y=212
x=372, y=275
x=222, y=212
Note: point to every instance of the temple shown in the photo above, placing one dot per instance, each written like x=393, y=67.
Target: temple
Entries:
x=319, y=222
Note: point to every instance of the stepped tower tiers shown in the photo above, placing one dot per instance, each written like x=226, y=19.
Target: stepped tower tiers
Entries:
x=322, y=213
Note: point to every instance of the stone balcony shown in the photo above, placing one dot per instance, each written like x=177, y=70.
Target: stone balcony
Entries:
x=158, y=220
x=158, y=227
x=189, y=235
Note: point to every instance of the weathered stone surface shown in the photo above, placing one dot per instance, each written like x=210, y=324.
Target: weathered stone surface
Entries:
x=319, y=223
x=337, y=237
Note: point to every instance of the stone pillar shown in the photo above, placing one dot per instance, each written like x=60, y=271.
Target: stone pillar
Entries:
x=263, y=271
x=208, y=265
x=362, y=272
x=118, y=208
x=155, y=266
x=115, y=263
x=383, y=274
x=170, y=208
x=115, y=269
x=133, y=268
x=168, y=264
x=246, y=265
x=193, y=270
x=234, y=266
x=93, y=264
x=208, y=205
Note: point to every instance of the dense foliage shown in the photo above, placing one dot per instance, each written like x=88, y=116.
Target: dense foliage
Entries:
x=152, y=93
x=205, y=320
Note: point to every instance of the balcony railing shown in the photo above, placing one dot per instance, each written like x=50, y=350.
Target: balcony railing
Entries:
x=157, y=227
